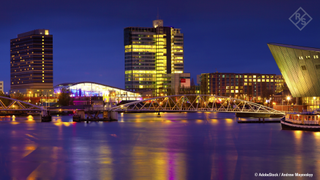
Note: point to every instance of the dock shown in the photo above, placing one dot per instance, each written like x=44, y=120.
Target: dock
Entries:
x=257, y=121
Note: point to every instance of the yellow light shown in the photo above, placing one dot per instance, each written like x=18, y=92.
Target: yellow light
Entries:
x=288, y=98
x=46, y=32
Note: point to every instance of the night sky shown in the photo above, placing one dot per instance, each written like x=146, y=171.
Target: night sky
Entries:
x=224, y=36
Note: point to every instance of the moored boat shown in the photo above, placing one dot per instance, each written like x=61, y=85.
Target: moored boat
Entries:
x=306, y=122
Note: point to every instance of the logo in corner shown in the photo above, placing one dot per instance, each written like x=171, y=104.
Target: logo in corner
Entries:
x=300, y=18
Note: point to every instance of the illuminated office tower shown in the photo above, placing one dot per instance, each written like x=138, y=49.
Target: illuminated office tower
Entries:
x=31, y=64
x=152, y=54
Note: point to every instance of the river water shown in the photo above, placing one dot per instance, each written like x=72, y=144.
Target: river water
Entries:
x=194, y=146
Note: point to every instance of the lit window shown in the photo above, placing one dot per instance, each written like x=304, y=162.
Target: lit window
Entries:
x=315, y=57
x=308, y=57
x=301, y=57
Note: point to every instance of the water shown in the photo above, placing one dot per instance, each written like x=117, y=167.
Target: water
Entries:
x=145, y=146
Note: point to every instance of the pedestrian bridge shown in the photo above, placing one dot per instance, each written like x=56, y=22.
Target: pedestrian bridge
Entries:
x=196, y=103
x=10, y=104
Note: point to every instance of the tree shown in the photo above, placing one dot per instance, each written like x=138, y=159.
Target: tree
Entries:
x=64, y=97
x=17, y=95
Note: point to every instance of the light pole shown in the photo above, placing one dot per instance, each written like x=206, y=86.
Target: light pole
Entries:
x=29, y=95
x=288, y=98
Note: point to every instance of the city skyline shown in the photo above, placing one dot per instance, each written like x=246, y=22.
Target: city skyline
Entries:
x=88, y=43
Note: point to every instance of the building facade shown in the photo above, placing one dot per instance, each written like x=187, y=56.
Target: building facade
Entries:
x=151, y=53
x=300, y=67
x=1, y=86
x=31, y=64
x=248, y=86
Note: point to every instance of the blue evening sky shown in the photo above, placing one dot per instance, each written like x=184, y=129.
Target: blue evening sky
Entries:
x=224, y=36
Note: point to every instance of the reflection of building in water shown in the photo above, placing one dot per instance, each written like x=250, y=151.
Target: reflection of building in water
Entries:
x=81, y=91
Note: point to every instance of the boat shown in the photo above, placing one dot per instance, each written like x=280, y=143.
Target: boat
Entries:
x=303, y=121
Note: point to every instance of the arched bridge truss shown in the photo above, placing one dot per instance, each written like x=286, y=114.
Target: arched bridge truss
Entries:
x=10, y=104
x=195, y=103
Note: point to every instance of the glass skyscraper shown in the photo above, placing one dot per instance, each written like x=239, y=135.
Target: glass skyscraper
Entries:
x=152, y=54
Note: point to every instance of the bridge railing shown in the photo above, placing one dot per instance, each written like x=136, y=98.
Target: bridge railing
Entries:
x=195, y=102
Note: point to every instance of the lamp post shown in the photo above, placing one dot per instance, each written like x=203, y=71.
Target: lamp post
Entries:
x=288, y=98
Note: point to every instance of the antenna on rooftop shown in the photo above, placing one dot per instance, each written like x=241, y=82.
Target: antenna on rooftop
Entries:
x=158, y=13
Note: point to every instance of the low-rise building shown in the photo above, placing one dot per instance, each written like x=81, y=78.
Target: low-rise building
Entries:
x=82, y=91
x=1, y=86
x=249, y=86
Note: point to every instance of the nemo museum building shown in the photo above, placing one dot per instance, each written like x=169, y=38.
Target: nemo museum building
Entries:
x=300, y=67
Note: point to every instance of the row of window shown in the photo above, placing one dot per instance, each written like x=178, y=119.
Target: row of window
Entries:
x=309, y=57
x=317, y=66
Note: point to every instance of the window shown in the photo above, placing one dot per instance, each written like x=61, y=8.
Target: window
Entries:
x=308, y=57
x=315, y=57
x=301, y=57
x=303, y=68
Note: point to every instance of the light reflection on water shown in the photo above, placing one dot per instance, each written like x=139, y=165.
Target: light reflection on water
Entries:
x=148, y=146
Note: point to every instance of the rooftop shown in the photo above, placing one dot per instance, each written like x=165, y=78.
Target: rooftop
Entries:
x=296, y=47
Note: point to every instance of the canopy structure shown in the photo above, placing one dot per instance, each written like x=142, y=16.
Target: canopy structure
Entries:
x=90, y=89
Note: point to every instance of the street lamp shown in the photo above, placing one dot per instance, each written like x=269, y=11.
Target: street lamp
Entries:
x=288, y=98
x=29, y=95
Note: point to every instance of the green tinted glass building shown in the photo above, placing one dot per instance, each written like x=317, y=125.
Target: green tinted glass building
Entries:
x=300, y=67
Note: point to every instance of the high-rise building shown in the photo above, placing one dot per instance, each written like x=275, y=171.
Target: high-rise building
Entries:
x=31, y=63
x=152, y=54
